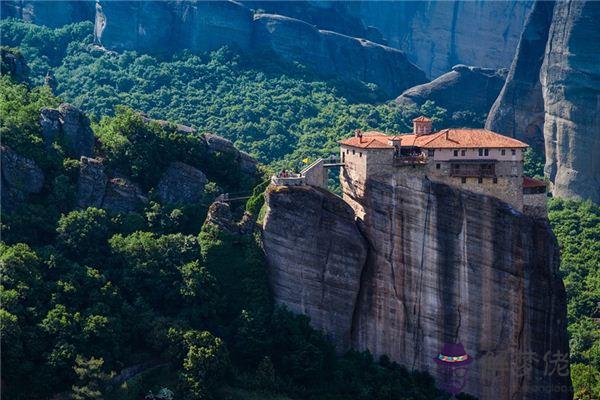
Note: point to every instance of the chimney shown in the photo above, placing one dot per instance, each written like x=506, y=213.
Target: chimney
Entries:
x=422, y=126
x=358, y=134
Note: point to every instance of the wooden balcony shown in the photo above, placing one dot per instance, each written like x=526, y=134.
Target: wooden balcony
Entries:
x=400, y=160
x=473, y=170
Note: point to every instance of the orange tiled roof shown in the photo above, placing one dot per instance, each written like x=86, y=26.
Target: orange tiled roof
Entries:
x=444, y=139
x=462, y=138
x=368, y=142
x=421, y=119
x=530, y=182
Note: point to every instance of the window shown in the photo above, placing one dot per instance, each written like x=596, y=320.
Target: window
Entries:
x=486, y=152
x=343, y=157
x=463, y=180
x=513, y=152
x=480, y=180
x=438, y=166
x=480, y=152
x=353, y=152
x=430, y=152
x=503, y=152
x=455, y=153
x=463, y=152
x=360, y=153
x=495, y=180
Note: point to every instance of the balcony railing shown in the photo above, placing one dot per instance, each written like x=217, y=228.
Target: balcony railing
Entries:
x=409, y=160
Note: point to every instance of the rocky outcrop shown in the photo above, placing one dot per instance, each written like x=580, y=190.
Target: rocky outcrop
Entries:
x=116, y=195
x=151, y=27
x=13, y=64
x=335, y=55
x=181, y=184
x=218, y=144
x=219, y=214
x=316, y=256
x=570, y=79
x=20, y=177
x=69, y=124
x=91, y=184
x=49, y=13
x=123, y=196
x=519, y=109
x=462, y=89
x=443, y=266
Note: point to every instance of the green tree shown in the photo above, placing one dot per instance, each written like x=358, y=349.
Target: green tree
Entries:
x=91, y=379
x=84, y=234
x=205, y=364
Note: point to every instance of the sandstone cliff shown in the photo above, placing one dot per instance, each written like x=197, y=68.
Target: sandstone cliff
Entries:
x=519, y=109
x=553, y=88
x=570, y=78
x=167, y=27
x=316, y=254
x=442, y=266
x=49, y=13
x=462, y=89
x=434, y=34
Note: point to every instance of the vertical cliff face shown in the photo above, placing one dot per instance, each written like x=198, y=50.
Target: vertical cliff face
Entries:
x=316, y=255
x=49, y=13
x=434, y=34
x=447, y=266
x=519, y=109
x=442, y=266
x=553, y=90
x=570, y=78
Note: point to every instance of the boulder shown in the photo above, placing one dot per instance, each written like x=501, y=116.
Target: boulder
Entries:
x=462, y=89
x=20, y=177
x=92, y=182
x=123, y=196
x=70, y=124
x=181, y=184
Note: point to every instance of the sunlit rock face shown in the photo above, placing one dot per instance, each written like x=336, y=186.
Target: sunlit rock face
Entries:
x=442, y=266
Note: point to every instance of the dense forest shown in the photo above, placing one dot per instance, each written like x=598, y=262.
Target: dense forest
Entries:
x=88, y=294
x=275, y=112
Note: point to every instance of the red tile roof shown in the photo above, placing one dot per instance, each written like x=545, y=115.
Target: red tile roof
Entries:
x=368, y=142
x=444, y=139
x=530, y=182
x=421, y=119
